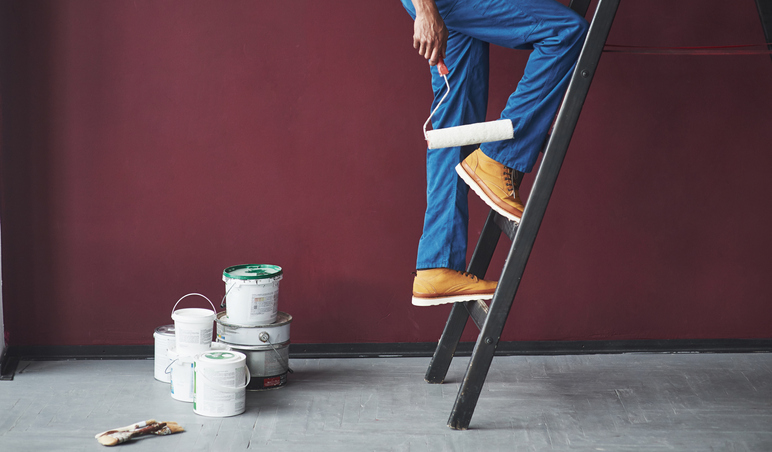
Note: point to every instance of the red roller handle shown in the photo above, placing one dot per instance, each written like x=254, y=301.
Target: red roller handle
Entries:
x=442, y=69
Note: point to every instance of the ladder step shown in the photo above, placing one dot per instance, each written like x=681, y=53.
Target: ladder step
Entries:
x=478, y=311
x=507, y=227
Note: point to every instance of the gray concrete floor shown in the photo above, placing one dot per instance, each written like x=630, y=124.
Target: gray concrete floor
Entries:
x=682, y=402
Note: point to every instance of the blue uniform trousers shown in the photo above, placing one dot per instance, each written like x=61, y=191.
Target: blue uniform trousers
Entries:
x=556, y=34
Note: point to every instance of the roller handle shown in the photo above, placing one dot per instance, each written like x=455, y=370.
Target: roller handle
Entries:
x=442, y=69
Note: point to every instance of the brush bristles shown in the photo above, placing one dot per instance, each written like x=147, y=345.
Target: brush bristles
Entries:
x=174, y=427
x=107, y=440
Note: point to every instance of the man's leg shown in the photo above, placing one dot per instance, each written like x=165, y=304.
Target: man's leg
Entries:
x=442, y=248
x=556, y=34
x=444, y=240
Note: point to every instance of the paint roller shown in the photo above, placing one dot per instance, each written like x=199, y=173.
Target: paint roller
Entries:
x=481, y=132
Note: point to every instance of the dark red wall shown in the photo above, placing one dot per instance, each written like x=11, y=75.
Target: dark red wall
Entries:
x=148, y=145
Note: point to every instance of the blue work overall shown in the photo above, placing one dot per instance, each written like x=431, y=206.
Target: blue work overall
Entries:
x=556, y=34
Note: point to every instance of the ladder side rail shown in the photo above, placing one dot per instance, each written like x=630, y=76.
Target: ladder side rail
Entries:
x=765, y=14
x=459, y=314
x=485, y=347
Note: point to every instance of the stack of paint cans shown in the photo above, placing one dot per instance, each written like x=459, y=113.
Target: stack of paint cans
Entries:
x=252, y=324
x=192, y=330
x=199, y=370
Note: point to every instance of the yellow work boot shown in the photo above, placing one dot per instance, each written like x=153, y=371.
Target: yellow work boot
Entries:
x=494, y=183
x=442, y=285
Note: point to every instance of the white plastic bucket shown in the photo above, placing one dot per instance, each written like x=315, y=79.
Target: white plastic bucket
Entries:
x=181, y=376
x=252, y=293
x=180, y=373
x=164, y=340
x=193, y=327
x=219, y=383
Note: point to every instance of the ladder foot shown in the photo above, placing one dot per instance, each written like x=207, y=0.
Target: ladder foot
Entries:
x=457, y=426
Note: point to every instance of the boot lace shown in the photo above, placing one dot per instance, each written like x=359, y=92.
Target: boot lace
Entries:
x=512, y=179
x=470, y=276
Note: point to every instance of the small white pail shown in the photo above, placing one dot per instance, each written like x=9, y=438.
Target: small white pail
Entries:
x=219, y=383
x=164, y=340
x=180, y=373
x=252, y=293
x=193, y=327
x=181, y=376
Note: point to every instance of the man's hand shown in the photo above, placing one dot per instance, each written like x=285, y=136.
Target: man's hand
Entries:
x=430, y=35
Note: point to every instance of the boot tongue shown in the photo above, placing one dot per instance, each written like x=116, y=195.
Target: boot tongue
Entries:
x=517, y=178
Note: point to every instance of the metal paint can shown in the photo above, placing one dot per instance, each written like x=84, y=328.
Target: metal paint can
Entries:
x=252, y=293
x=273, y=333
x=164, y=340
x=268, y=364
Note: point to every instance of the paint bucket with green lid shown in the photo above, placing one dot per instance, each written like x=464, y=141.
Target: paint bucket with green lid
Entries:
x=252, y=293
x=220, y=380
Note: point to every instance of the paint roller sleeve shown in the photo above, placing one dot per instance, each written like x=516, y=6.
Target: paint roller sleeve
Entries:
x=482, y=132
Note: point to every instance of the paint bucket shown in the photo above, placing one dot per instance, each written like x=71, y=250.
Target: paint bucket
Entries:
x=273, y=333
x=219, y=383
x=268, y=364
x=193, y=327
x=180, y=373
x=164, y=340
x=252, y=293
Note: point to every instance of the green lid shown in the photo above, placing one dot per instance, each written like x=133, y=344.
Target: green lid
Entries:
x=261, y=271
x=220, y=355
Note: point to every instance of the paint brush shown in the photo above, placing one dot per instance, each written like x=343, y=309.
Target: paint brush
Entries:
x=150, y=427
x=128, y=428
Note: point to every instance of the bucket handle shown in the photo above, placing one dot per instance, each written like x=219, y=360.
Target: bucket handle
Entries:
x=222, y=388
x=281, y=358
x=222, y=302
x=168, y=369
x=191, y=294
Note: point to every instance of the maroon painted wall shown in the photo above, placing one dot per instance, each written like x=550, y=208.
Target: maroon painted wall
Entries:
x=148, y=145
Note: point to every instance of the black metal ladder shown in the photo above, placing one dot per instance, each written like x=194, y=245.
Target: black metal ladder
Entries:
x=491, y=319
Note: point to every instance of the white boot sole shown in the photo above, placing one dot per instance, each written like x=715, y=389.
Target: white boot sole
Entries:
x=453, y=299
x=477, y=189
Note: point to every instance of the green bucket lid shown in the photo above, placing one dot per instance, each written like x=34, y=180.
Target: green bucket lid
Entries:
x=258, y=271
x=220, y=355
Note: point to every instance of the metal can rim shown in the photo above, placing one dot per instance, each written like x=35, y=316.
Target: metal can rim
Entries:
x=282, y=318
